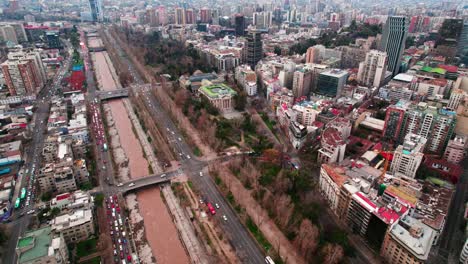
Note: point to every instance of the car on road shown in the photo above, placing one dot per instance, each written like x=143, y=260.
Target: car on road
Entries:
x=31, y=212
x=217, y=206
x=120, y=184
x=224, y=217
x=121, y=253
x=163, y=175
x=188, y=156
x=201, y=174
x=115, y=252
x=131, y=184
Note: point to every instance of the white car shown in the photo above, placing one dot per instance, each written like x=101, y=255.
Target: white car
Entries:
x=217, y=206
x=120, y=184
x=163, y=175
x=31, y=212
x=224, y=217
x=201, y=174
x=188, y=157
x=131, y=184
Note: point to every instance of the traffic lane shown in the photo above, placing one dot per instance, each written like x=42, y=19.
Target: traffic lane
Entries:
x=240, y=239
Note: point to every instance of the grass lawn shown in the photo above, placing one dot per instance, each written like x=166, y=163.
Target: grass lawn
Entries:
x=196, y=151
x=86, y=247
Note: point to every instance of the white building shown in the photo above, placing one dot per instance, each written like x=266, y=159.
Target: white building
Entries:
x=76, y=226
x=372, y=71
x=247, y=79
x=333, y=146
x=408, y=157
x=456, y=97
x=330, y=184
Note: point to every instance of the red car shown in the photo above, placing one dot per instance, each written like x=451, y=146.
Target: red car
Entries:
x=129, y=258
x=118, y=209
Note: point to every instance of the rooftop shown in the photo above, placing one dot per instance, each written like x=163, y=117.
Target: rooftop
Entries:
x=217, y=90
x=414, y=236
x=34, y=244
x=403, y=77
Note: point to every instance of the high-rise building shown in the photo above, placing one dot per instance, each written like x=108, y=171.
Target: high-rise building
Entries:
x=205, y=15
x=302, y=82
x=96, y=10
x=436, y=125
x=330, y=83
x=292, y=15
x=394, y=121
x=162, y=15
x=419, y=24
x=456, y=97
x=408, y=157
x=262, y=19
x=8, y=34
x=24, y=73
x=372, y=70
x=393, y=41
x=180, y=16
x=254, y=48
x=312, y=55
x=215, y=16
x=190, y=17
x=456, y=149
x=53, y=40
x=239, y=21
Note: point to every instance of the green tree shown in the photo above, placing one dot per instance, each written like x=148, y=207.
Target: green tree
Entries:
x=409, y=42
x=277, y=50
x=99, y=199
x=47, y=196
x=240, y=100
x=54, y=212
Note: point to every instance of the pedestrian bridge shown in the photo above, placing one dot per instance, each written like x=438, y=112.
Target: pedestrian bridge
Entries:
x=107, y=95
x=143, y=182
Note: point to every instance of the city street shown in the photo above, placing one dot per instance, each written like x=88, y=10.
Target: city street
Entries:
x=33, y=159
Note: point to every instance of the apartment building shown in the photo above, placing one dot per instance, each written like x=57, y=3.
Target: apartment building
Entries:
x=330, y=184
x=75, y=226
x=24, y=72
x=373, y=69
x=408, y=157
x=456, y=97
x=247, y=78
x=302, y=81
x=408, y=241
x=456, y=149
x=333, y=146
x=297, y=134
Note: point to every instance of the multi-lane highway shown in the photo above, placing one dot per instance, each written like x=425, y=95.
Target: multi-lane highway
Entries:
x=244, y=245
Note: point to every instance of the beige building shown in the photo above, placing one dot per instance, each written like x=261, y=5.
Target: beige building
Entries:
x=409, y=241
x=456, y=149
x=220, y=96
x=76, y=226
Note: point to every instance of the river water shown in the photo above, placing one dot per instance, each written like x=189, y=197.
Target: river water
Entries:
x=159, y=228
